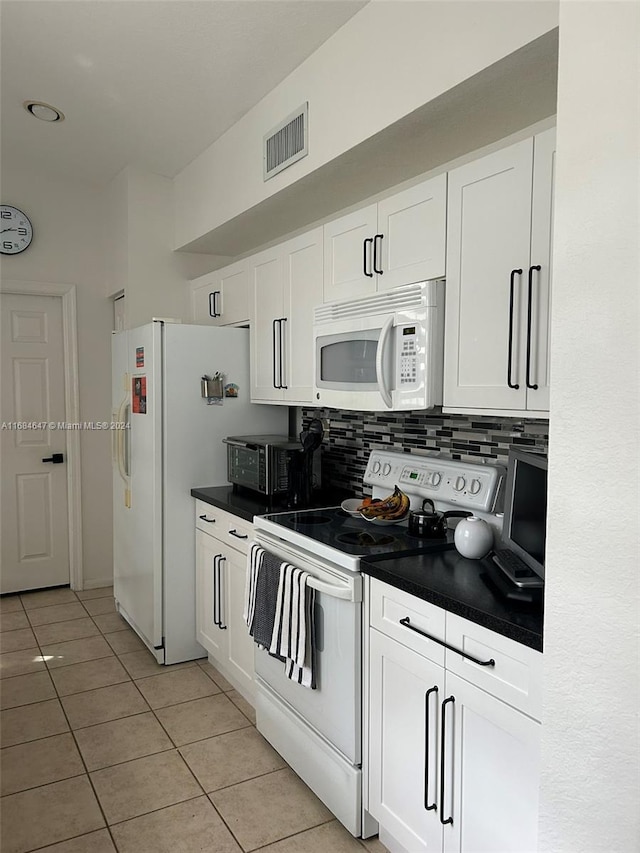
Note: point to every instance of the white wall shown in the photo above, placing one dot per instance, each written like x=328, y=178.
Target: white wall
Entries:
x=590, y=781
x=388, y=60
x=67, y=247
x=139, y=239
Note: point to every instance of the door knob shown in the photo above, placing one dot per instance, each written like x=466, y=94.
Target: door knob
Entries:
x=56, y=458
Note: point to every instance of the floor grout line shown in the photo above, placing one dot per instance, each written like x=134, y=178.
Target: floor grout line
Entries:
x=174, y=748
x=86, y=772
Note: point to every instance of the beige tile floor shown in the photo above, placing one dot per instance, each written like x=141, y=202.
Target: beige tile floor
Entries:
x=104, y=750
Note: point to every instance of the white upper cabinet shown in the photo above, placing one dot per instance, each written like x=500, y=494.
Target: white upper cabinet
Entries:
x=398, y=241
x=348, y=243
x=285, y=285
x=221, y=298
x=498, y=280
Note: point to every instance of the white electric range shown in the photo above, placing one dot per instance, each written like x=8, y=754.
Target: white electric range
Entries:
x=319, y=732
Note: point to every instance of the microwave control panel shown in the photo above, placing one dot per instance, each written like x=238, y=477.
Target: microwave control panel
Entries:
x=447, y=480
x=407, y=354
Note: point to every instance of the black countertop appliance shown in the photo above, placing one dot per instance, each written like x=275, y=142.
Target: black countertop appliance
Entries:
x=301, y=467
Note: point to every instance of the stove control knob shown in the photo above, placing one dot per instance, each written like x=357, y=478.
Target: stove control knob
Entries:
x=436, y=478
x=386, y=469
x=475, y=487
x=459, y=484
x=375, y=468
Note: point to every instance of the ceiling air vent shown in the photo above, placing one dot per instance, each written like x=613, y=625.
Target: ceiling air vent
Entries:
x=286, y=143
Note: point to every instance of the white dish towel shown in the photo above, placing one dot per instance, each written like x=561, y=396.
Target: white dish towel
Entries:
x=294, y=626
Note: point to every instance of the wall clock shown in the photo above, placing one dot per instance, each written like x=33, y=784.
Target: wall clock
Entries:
x=16, y=231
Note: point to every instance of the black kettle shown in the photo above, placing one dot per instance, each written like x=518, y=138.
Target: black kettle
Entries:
x=431, y=524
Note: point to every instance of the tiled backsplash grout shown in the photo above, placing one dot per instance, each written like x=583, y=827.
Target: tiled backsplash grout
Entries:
x=471, y=438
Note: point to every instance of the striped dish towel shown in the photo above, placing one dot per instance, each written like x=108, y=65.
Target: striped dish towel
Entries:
x=261, y=593
x=255, y=556
x=294, y=626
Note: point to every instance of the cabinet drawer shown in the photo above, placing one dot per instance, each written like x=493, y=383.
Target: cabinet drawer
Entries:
x=389, y=605
x=516, y=677
x=224, y=526
x=207, y=518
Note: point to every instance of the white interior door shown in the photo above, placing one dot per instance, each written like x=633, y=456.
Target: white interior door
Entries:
x=35, y=512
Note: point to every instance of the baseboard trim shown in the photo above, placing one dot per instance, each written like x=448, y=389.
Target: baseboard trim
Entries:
x=97, y=584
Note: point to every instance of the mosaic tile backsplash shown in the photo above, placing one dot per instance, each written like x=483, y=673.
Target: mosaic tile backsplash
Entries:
x=352, y=436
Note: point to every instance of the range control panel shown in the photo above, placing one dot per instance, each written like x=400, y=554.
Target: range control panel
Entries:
x=473, y=487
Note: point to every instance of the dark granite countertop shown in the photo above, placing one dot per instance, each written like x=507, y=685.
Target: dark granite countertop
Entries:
x=246, y=504
x=462, y=586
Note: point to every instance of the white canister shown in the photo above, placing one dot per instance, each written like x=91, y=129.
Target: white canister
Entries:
x=473, y=538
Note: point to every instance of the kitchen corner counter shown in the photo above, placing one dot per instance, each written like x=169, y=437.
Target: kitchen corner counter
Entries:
x=461, y=586
x=246, y=504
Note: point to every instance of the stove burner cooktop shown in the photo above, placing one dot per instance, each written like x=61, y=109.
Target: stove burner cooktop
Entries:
x=305, y=520
x=336, y=529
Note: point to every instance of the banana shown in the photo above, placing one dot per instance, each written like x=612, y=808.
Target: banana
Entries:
x=393, y=506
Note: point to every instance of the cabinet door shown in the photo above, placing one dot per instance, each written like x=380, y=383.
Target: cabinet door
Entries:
x=302, y=259
x=210, y=604
x=412, y=229
x=221, y=298
x=267, y=314
x=492, y=759
x=489, y=223
x=405, y=694
x=544, y=163
x=241, y=645
x=348, y=255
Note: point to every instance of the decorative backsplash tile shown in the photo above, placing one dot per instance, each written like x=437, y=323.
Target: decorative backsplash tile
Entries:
x=472, y=438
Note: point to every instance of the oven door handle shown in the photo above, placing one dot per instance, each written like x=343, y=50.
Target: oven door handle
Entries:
x=382, y=345
x=330, y=589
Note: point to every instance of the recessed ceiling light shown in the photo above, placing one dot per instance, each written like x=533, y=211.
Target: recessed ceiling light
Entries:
x=45, y=112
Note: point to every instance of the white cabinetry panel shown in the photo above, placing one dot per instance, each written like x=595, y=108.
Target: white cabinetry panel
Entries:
x=498, y=280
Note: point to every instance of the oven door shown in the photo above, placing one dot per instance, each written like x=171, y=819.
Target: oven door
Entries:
x=333, y=710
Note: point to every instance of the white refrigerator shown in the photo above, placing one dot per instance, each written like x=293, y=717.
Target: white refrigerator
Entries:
x=172, y=443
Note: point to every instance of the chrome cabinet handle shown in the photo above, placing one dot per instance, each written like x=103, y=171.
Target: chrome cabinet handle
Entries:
x=406, y=622
x=428, y=806
x=536, y=267
x=512, y=277
x=444, y=820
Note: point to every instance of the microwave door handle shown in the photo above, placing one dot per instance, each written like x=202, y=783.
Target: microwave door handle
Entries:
x=382, y=345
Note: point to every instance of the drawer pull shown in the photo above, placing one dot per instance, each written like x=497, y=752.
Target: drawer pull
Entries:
x=428, y=806
x=209, y=520
x=237, y=535
x=407, y=624
x=444, y=821
x=217, y=591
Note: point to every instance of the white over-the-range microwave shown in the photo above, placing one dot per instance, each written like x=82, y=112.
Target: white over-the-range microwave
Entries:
x=383, y=352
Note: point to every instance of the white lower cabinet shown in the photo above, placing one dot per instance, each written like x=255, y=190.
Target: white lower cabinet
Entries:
x=452, y=767
x=221, y=548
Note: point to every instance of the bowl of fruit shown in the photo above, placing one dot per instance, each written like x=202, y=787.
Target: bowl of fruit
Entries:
x=390, y=510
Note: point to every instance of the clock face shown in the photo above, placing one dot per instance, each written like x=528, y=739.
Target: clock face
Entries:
x=16, y=231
